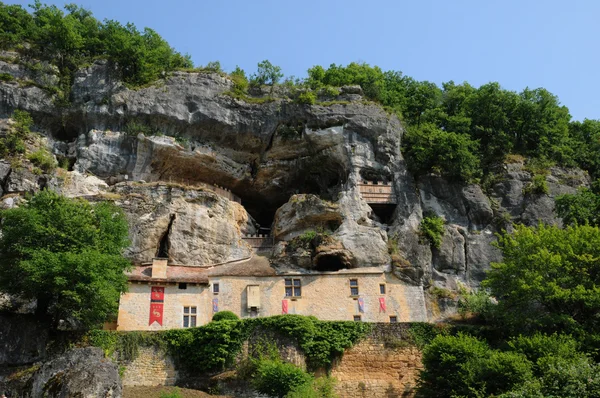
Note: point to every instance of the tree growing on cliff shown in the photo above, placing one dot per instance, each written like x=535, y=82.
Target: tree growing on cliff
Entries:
x=66, y=254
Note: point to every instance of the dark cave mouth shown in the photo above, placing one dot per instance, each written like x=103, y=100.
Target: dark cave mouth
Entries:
x=329, y=263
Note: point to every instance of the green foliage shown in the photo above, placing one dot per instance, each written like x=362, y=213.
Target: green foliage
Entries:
x=429, y=148
x=277, y=379
x=307, y=97
x=43, y=159
x=267, y=73
x=213, y=346
x=549, y=279
x=14, y=141
x=240, y=81
x=66, y=254
x=537, y=186
x=6, y=77
x=432, y=230
x=171, y=394
x=321, y=387
x=423, y=333
x=465, y=366
x=581, y=208
x=308, y=236
x=225, y=315
x=133, y=128
x=72, y=38
x=479, y=303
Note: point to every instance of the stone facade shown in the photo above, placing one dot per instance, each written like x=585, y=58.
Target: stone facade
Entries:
x=372, y=370
x=152, y=367
x=326, y=296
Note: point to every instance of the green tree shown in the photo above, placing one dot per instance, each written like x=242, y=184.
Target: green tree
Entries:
x=580, y=208
x=267, y=74
x=549, y=280
x=66, y=254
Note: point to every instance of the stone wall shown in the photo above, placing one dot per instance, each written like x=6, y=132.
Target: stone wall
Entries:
x=152, y=367
x=380, y=366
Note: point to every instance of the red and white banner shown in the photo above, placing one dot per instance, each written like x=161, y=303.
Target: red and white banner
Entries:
x=381, y=304
x=158, y=294
x=156, y=313
x=284, y=306
x=157, y=298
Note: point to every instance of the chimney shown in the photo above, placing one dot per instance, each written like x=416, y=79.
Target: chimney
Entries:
x=159, y=268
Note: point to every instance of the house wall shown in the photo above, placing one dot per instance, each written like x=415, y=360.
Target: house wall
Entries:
x=325, y=296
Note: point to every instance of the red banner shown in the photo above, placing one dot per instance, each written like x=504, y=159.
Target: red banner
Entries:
x=158, y=293
x=381, y=304
x=284, y=306
x=156, y=313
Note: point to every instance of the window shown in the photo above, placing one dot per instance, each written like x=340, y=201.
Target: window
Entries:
x=354, y=287
x=382, y=288
x=189, y=317
x=393, y=319
x=357, y=318
x=182, y=285
x=293, y=288
x=215, y=288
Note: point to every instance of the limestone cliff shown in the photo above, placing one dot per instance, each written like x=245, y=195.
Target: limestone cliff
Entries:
x=177, y=155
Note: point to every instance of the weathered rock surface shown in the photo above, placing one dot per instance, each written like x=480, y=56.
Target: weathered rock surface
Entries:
x=22, y=338
x=80, y=372
x=198, y=226
x=265, y=153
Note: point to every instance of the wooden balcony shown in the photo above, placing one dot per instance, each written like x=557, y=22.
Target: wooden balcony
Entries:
x=377, y=193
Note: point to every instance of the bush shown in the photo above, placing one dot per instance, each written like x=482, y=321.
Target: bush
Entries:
x=307, y=97
x=43, y=159
x=322, y=387
x=537, y=186
x=6, y=77
x=240, y=82
x=432, y=229
x=276, y=378
x=225, y=315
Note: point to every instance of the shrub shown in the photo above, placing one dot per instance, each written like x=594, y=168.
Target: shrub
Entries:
x=479, y=303
x=240, y=82
x=308, y=236
x=537, y=186
x=432, y=229
x=6, y=77
x=322, y=387
x=267, y=74
x=225, y=315
x=307, y=97
x=43, y=159
x=329, y=91
x=276, y=378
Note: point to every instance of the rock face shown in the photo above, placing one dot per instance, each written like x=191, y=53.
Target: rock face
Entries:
x=80, y=372
x=22, y=338
x=295, y=167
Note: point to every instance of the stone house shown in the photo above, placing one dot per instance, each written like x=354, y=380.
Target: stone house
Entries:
x=162, y=296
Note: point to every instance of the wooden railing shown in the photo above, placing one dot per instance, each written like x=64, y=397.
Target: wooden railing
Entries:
x=377, y=193
x=262, y=242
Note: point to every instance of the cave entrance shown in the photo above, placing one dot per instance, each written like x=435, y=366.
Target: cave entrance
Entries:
x=164, y=244
x=329, y=262
x=382, y=212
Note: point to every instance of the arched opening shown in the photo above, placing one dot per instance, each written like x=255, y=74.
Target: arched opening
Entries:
x=329, y=262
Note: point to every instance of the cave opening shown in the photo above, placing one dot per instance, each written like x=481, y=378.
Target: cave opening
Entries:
x=164, y=244
x=383, y=213
x=328, y=263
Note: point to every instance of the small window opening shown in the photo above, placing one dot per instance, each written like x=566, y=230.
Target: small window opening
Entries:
x=215, y=288
x=357, y=318
x=182, y=285
x=393, y=319
x=382, y=288
x=354, y=287
x=189, y=317
x=293, y=288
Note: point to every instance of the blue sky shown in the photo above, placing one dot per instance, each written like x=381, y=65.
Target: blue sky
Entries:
x=519, y=43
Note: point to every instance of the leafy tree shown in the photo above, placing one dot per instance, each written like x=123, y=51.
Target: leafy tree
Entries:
x=66, y=254
x=549, y=280
x=225, y=315
x=581, y=208
x=428, y=148
x=267, y=74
